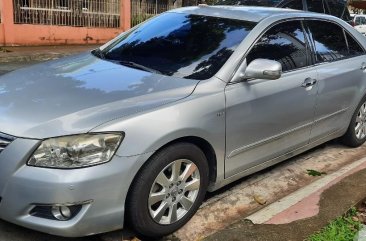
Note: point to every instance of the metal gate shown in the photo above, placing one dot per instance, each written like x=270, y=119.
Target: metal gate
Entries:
x=144, y=9
x=80, y=13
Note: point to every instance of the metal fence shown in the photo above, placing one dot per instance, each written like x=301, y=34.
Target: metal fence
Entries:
x=80, y=13
x=144, y=9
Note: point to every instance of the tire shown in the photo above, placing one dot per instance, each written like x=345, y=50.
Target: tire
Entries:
x=145, y=213
x=356, y=132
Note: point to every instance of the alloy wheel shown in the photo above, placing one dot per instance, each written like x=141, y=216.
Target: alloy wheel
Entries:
x=174, y=191
x=360, y=125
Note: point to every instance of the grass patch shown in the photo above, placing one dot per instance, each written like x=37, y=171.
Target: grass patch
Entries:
x=341, y=229
x=3, y=50
x=315, y=173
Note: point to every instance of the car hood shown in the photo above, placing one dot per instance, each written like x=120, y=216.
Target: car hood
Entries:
x=75, y=94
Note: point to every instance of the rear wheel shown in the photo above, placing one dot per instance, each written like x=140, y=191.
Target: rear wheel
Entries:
x=356, y=132
x=168, y=190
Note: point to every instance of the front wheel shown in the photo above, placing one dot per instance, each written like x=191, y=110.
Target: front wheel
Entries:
x=356, y=132
x=168, y=190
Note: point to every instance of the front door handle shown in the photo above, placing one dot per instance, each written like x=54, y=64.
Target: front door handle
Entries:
x=363, y=66
x=308, y=82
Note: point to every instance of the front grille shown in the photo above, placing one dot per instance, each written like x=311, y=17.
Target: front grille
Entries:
x=5, y=140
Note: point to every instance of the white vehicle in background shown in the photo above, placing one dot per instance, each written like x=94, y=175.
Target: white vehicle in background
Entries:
x=359, y=23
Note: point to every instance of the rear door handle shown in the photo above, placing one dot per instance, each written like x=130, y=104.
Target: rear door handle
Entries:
x=308, y=82
x=363, y=66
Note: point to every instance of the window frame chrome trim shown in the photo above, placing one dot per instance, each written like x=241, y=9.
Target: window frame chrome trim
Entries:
x=311, y=46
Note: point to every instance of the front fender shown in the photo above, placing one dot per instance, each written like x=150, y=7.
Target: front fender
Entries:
x=199, y=115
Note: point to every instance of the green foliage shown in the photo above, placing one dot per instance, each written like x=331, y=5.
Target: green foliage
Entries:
x=340, y=229
x=140, y=18
x=315, y=173
x=4, y=50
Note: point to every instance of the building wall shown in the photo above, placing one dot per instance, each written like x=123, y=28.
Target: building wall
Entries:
x=28, y=34
x=2, y=36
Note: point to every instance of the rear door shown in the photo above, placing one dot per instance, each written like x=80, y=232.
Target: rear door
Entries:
x=339, y=63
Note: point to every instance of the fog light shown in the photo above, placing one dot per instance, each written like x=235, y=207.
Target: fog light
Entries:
x=61, y=213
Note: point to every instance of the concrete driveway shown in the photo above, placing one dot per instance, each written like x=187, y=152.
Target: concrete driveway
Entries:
x=233, y=202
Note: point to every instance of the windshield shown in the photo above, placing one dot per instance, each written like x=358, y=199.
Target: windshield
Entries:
x=181, y=45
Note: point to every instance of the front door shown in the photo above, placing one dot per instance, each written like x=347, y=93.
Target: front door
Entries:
x=269, y=118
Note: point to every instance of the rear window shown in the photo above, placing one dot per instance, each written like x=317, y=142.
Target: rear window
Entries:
x=181, y=45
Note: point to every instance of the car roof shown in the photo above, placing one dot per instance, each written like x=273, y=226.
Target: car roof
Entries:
x=249, y=13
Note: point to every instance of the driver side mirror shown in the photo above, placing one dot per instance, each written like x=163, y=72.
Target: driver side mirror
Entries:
x=260, y=69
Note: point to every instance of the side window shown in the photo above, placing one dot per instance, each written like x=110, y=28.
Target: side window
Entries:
x=285, y=43
x=329, y=41
x=354, y=48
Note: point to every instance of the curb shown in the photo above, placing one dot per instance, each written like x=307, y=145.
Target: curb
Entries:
x=335, y=199
x=303, y=203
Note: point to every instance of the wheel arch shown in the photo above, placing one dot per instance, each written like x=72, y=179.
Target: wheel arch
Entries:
x=206, y=148
x=201, y=143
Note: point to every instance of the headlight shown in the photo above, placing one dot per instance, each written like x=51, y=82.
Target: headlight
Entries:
x=76, y=151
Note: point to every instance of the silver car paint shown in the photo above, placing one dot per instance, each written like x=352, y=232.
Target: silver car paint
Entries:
x=75, y=94
x=154, y=113
x=22, y=187
x=340, y=86
x=284, y=124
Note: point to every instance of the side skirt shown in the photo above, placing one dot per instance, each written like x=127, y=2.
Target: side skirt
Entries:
x=331, y=136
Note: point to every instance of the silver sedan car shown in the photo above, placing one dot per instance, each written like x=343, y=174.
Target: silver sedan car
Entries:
x=135, y=132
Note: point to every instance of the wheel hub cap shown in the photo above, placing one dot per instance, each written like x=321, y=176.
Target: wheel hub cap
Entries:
x=174, y=191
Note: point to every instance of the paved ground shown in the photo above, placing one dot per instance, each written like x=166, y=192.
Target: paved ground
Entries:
x=334, y=202
x=40, y=53
x=12, y=58
x=223, y=211
x=238, y=201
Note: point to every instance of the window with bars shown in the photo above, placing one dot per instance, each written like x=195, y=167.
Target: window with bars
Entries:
x=78, y=13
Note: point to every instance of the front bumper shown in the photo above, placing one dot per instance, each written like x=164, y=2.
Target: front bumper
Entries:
x=104, y=187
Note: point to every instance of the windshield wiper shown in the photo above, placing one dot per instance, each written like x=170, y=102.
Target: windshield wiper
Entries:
x=136, y=66
x=97, y=52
